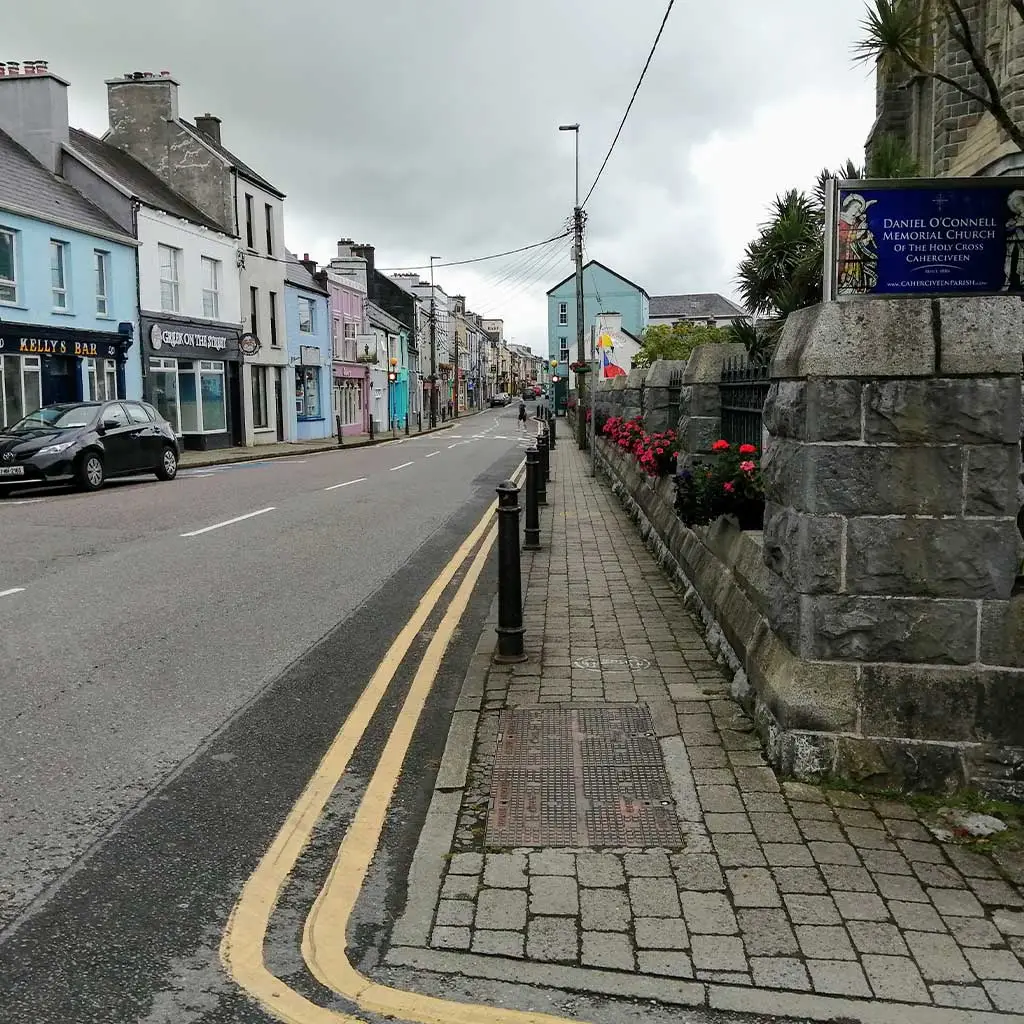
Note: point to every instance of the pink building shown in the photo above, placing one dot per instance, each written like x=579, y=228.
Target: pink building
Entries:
x=345, y=281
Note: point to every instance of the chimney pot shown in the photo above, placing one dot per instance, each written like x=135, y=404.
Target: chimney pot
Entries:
x=305, y=257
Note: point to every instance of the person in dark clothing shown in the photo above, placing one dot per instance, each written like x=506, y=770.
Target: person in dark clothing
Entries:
x=522, y=414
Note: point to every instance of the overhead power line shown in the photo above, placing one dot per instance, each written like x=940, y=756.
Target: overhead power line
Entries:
x=480, y=259
x=640, y=82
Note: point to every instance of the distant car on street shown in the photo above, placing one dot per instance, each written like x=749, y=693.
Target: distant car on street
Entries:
x=500, y=398
x=86, y=443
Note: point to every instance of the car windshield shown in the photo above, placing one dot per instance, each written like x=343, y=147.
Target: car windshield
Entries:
x=56, y=417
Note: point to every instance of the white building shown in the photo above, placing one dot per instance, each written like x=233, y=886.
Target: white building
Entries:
x=189, y=295
x=706, y=309
x=190, y=159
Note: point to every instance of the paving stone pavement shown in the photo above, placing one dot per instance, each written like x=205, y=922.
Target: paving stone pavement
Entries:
x=779, y=885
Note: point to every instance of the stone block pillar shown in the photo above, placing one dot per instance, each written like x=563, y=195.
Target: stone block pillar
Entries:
x=894, y=502
x=661, y=394
x=700, y=401
x=633, y=393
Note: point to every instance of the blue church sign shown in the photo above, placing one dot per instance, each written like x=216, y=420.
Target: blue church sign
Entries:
x=925, y=237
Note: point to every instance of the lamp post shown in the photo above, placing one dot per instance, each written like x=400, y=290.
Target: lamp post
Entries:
x=392, y=381
x=581, y=356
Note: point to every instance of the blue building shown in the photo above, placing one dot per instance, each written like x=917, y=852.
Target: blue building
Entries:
x=604, y=291
x=308, y=330
x=69, y=306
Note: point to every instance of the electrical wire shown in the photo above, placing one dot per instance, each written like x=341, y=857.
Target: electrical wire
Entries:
x=540, y=272
x=622, y=123
x=479, y=259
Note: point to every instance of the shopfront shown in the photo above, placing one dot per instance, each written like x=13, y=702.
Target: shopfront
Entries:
x=41, y=365
x=192, y=375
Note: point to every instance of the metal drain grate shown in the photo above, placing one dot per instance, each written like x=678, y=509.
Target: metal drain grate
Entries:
x=586, y=776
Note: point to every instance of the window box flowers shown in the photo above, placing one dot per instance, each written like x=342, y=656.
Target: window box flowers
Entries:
x=731, y=486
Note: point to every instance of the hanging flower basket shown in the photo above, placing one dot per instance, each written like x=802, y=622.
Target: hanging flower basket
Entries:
x=580, y=368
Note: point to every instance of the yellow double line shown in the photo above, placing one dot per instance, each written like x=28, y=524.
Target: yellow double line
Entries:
x=324, y=941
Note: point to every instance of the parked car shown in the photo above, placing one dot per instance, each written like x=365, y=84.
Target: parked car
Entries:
x=87, y=442
x=500, y=398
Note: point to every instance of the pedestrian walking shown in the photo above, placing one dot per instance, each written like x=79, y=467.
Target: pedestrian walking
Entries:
x=522, y=414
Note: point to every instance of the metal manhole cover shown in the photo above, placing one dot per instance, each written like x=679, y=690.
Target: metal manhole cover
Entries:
x=611, y=661
x=580, y=777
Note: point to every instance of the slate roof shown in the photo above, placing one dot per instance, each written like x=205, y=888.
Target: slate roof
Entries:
x=137, y=179
x=295, y=273
x=27, y=186
x=596, y=263
x=704, y=305
x=243, y=169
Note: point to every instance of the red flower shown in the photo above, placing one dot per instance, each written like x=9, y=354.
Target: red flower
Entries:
x=748, y=467
x=720, y=446
x=729, y=487
x=748, y=449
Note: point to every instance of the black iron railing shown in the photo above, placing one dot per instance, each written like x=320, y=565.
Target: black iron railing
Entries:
x=675, y=386
x=744, y=390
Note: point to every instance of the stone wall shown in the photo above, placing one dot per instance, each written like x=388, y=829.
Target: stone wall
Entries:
x=879, y=621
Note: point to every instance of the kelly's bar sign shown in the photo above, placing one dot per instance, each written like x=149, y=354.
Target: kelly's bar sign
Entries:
x=927, y=237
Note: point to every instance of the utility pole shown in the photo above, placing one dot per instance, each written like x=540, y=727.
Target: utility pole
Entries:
x=455, y=396
x=433, y=347
x=581, y=355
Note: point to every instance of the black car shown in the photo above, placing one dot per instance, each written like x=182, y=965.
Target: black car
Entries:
x=86, y=442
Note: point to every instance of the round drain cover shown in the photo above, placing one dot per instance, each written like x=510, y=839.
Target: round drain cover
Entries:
x=611, y=661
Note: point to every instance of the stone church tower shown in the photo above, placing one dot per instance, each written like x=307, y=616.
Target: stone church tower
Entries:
x=949, y=134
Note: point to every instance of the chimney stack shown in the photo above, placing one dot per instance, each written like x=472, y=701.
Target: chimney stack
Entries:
x=209, y=126
x=34, y=109
x=139, y=105
x=365, y=252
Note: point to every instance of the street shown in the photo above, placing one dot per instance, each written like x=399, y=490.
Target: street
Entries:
x=176, y=657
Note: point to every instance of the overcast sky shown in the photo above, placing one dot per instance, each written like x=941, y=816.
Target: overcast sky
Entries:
x=429, y=127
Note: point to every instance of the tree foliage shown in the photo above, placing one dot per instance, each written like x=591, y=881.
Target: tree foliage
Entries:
x=661, y=341
x=782, y=268
x=897, y=35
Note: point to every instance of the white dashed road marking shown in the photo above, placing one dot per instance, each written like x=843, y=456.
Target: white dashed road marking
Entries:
x=347, y=483
x=230, y=522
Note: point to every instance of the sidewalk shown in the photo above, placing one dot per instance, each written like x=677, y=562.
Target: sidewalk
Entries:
x=284, y=449
x=604, y=821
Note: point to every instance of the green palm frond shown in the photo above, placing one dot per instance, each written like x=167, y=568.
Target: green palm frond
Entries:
x=893, y=35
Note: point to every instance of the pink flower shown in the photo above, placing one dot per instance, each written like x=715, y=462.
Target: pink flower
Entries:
x=729, y=487
x=748, y=467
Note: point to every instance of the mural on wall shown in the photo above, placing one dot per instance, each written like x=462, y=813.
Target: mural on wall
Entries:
x=606, y=351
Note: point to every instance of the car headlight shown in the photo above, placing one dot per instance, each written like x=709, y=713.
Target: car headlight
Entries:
x=55, y=449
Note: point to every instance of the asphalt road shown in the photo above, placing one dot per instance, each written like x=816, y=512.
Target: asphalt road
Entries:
x=141, y=622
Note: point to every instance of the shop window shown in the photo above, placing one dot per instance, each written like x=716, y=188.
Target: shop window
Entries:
x=170, y=277
x=21, y=388
x=307, y=323
x=59, y=274
x=260, y=405
x=211, y=287
x=307, y=392
x=8, y=265
x=211, y=380
x=102, y=265
x=164, y=390
x=349, y=402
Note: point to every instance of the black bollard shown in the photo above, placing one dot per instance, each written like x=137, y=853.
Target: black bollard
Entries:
x=406, y=422
x=551, y=430
x=545, y=458
x=510, y=585
x=531, y=540
x=419, y=421
x=341, y=432
x=542, y=457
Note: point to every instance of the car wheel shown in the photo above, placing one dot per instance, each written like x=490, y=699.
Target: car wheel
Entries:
x=168, y=468
x=90, y=472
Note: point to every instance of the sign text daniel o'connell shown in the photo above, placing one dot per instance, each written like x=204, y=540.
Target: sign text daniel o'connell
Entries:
x=951, y=236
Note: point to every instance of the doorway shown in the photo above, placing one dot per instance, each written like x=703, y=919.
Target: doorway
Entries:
x=235, y=403
x=278, y=403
